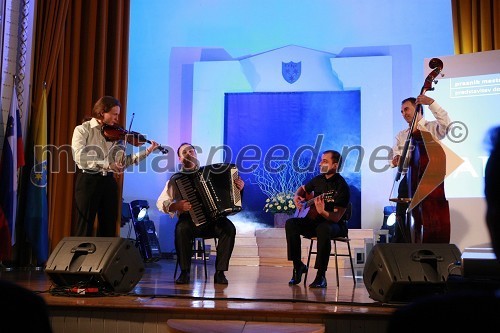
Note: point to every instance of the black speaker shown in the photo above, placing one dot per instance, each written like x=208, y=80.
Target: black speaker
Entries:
x=397, y=272
x=112, y=263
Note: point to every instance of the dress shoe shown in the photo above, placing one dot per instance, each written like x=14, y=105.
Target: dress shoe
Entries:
x=220, y=278
x=297, y=275
x=183, y=278
x=319, y=282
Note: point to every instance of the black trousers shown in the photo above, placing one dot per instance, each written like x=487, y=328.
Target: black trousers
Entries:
x=402, y=230
x=222, y=229
x=323, y=230
x=96, y=195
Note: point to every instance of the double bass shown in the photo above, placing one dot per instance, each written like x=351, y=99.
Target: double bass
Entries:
x=426, y=196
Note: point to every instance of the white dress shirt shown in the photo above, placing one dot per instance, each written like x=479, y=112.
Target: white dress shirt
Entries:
x=437, y=128
x=92, y=152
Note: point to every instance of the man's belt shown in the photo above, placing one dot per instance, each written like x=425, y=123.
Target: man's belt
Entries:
x=101, y=173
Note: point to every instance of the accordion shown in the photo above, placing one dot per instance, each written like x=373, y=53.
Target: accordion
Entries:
x=211, y=191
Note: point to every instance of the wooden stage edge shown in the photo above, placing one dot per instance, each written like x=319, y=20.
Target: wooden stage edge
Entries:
x=254, y=294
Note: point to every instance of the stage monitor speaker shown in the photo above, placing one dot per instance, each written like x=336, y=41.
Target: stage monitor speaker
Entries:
x=112, y=263
x=398, y=272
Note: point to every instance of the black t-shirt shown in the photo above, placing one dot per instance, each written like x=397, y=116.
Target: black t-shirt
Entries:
x=336, y=185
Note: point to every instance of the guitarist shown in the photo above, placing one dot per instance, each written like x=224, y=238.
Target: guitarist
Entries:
x=324, y=219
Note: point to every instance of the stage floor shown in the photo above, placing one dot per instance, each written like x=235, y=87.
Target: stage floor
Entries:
x=253, y=293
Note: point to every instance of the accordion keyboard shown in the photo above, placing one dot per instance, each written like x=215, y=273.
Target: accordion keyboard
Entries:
x=189, y=192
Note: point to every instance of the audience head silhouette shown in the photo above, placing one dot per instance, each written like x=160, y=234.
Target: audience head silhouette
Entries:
x=492, y=191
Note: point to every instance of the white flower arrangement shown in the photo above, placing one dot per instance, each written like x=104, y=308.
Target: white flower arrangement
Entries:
x=279, y=181
x=280, y=203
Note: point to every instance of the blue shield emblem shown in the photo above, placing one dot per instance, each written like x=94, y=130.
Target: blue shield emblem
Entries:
x=291, y=71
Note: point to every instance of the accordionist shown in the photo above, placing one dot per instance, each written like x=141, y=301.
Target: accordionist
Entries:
x=171, y=202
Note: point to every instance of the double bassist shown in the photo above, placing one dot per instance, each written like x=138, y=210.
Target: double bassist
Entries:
x=404, y=232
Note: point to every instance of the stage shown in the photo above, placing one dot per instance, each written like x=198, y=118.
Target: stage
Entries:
x=254, y=294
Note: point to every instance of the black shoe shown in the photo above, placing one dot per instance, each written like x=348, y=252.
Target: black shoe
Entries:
x=183, y=278
x=297, y=275
x=220, y=278
x=319, y=282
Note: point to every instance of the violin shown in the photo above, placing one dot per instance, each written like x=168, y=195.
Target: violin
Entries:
x=117, y=133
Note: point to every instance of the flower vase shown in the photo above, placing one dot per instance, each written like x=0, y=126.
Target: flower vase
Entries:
x=280, y=219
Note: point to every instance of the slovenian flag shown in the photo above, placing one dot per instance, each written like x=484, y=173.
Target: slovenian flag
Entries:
x=12, y=160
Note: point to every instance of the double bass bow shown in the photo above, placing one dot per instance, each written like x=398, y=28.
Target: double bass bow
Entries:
x=427, y=202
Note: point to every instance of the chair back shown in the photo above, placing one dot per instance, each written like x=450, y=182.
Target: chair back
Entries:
x=348, y=212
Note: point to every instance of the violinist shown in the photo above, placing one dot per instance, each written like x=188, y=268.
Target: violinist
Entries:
x=438, y=128
x=98, y=160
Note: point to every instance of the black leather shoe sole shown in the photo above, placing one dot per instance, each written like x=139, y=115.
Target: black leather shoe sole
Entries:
x=297, y=275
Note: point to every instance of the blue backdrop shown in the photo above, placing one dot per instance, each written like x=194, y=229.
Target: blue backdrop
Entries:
x=262, y=127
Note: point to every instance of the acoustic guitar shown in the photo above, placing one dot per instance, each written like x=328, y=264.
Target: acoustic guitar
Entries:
x=308, y=210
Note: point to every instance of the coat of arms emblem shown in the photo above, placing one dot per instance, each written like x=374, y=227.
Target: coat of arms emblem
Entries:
x=291, y=71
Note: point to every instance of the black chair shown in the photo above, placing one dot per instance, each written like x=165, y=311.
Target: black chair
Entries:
x=335, y=253
x=198, y=248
